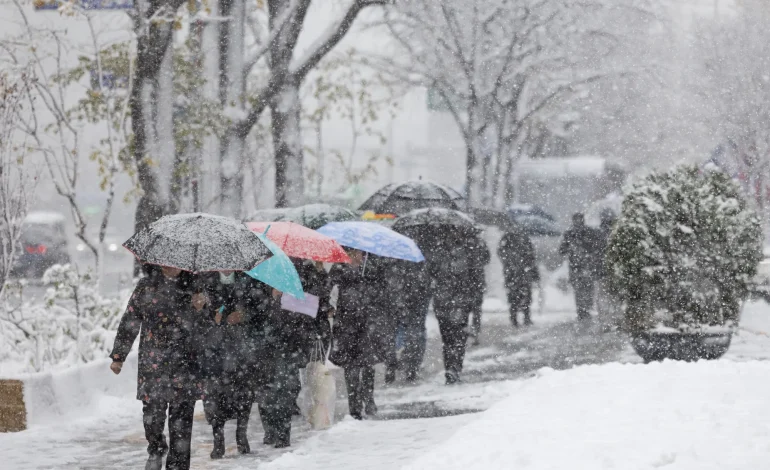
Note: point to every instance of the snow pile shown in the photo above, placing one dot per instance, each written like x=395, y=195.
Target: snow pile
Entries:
x=74, y=323
x=78, y=393
x=706, y=415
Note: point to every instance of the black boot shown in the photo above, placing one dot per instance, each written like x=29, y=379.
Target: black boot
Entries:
x=514, y=320
x=371, y=408
x=219, y=442
x=241, y=437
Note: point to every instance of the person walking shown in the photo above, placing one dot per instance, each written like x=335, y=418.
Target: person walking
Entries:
x=476, y=287
x=354, y=349
x=408, y=295
x=520, y=272
x=232, y=349
x=606, y=303
x=581, y=246
x=168, y=316
x=452, y=304
x=290, y=338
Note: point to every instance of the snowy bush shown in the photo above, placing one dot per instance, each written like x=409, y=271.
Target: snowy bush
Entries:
x=73, y=324
x=684, y=251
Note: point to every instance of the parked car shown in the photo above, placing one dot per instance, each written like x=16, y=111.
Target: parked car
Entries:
x=43, y=244
x=111, y=248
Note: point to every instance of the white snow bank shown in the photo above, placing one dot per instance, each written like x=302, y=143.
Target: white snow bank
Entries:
x=76, y=393
x=706, y=415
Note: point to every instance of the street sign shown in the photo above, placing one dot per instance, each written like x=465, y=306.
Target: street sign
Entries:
x=44, y=5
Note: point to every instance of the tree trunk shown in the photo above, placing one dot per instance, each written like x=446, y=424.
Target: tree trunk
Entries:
x=232, y=92
x=287, y=142
x=151, y=49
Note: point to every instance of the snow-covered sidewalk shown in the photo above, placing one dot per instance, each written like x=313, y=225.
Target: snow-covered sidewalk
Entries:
x=670, y=414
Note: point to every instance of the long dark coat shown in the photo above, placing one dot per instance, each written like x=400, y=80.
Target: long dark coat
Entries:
x=581, y=245
x=162, y=311
x=357, y=317
x=457, y=269
x=517, y=255
x=233, y=356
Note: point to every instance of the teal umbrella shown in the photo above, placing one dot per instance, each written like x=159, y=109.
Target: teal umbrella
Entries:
x=278, y=271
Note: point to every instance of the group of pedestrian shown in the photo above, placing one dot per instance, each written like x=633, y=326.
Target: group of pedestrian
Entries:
x=222, y=338
x=225, y=339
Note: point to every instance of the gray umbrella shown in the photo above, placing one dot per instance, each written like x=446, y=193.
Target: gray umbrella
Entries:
x=400, y=198
x=198, y=243
x=435, y=216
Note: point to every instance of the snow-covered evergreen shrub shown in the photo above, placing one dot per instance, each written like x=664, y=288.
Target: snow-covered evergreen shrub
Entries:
x=684, y=251
x=73, y=324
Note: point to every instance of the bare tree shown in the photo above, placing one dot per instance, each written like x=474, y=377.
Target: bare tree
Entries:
x=57, y=115
x=273, y=72
x=501, y=67
x=734, y=86
x=16, y=187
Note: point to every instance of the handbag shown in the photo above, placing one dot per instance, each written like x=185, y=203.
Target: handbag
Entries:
x=321, y=390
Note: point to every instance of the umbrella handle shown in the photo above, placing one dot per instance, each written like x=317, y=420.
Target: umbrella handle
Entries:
x=366, y=258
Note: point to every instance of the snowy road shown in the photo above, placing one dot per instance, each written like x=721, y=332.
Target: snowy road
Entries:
x=113, y=437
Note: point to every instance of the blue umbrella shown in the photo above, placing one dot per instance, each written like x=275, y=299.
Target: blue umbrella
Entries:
x=373, y=238
x=278, y=271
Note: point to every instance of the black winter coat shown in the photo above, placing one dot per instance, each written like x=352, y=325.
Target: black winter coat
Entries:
x=457, y=269
x=356, y=321
x=234, y=355
x=162, y=311
x=291, y=335
x=517, y=255
x=582, y=246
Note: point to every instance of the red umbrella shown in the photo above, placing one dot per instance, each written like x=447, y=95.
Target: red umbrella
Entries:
x=301, y=242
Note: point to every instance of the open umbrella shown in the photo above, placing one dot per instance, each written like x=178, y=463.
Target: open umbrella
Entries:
x=315, y=216
x=400, y=198
x=301, y=242
x=278, y=272
x=373, y=238
x=435, y=216
x=198, y=243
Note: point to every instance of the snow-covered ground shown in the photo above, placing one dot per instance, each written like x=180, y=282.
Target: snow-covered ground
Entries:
x=514, y=411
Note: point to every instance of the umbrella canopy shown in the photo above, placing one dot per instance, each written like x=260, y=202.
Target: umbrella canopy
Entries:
x=270, y=215
x=373, y=238
x=198, y=243
x=315, y=216
x=435, y=216
x=301, y=242
x=400, y=198
x=312, y=216
x=278, y=272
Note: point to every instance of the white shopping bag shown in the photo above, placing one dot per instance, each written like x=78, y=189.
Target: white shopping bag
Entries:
x=320, y=391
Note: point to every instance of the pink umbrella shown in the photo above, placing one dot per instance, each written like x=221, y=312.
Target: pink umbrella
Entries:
x=301, y=242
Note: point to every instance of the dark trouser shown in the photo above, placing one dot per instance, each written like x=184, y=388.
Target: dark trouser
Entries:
x=180, y=421
x=584, y=296
x=415, y=336
x=359, y=382
x=280, y=400
x=452, y=323
x=519, y=300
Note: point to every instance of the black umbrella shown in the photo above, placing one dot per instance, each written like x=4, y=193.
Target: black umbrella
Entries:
x=198, y=243
x=400, y=198
x=435, y=216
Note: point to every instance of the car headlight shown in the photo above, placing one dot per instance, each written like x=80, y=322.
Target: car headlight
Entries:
x=113, y=247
